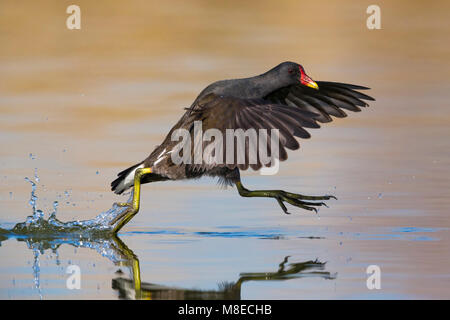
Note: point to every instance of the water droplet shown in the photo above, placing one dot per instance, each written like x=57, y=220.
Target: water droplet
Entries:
x=36, y=178
x=55, y=210
x=39, y=214
x=33, y=197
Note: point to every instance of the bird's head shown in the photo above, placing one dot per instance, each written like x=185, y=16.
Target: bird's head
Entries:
x=294, y=73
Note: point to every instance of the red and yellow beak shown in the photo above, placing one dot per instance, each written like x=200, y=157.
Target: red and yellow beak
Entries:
x=307, y=81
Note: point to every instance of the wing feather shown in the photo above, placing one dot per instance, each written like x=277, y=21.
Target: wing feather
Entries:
x=289, y=109
x=327, y=101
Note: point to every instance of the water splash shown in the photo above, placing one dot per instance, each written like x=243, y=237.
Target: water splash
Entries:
x=42, y=234
x=108, y=246
x=37, y=226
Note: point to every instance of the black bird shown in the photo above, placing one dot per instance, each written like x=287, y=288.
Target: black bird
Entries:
x=283, y=98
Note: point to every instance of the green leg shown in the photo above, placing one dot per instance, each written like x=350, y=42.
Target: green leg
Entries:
x=134, y=205
x=289, y=197
x=132, y=260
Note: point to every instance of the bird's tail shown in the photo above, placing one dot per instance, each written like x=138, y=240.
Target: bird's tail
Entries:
x=125, y=179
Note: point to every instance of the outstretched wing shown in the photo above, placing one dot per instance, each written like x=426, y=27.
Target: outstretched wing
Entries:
x=329, y=100
x=225, y=112
x=290, y=110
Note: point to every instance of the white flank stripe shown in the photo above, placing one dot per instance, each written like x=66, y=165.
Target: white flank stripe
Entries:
x=157, y=161
x=162, y=153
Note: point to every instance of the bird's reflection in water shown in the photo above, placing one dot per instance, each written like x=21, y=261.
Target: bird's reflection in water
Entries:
x=135, y=289
x=131, y=287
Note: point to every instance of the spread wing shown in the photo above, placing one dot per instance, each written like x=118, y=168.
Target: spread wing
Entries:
x=329, y=100
x=289, y=110
x=222, y=113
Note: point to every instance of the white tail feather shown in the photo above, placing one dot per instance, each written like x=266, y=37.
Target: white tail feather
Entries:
x=128, y=181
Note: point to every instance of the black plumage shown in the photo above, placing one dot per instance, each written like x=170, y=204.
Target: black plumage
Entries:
x=283, y=98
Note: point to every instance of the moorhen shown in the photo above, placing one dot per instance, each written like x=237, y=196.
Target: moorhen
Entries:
x=284, y=98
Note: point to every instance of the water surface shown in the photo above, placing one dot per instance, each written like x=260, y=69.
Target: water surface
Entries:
x=81, y=106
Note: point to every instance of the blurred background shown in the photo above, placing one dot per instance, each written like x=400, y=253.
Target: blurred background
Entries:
x=81, y=105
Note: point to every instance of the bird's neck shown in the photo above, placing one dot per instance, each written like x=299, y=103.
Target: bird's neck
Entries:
x=260, y=86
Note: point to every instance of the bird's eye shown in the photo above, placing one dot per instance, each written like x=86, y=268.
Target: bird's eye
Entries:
x=290, y=70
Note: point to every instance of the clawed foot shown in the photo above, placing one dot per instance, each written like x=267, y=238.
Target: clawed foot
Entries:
x=133, y=207
x=123, y=204
x=120, y=220
x=296, y=200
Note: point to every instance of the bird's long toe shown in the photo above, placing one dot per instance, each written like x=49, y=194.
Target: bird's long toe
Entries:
x=303, y=197
x=298, y=203
x=294, y=199
x=123, y=204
